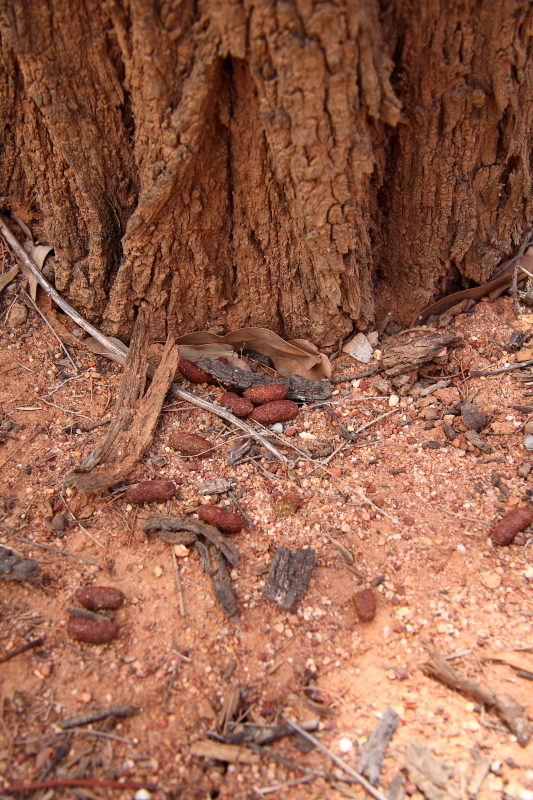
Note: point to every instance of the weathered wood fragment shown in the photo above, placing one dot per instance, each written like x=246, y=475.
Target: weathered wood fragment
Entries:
x=289, y=576
x=371, y=757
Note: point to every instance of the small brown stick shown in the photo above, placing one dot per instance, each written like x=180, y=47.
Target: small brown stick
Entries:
x=354, y=376
x=84, y=529
x=375, y=793
x=133, y=525
x=56, y=783
x=242, y=512
x=178, y=582
x=342, y=430
x=38, y=311
x=475, y=373
x=25, y=367
x=377, y=419
x=87, y=426
x=54, y=405
x=61, y=552
x=23, y=649
x=170, y=684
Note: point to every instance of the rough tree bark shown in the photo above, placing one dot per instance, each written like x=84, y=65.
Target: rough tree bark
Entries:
x=293, y=164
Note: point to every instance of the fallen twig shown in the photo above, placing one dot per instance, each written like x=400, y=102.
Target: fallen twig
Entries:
x=375, y=793
x=354, y=376
x=120, y=710
x=475, y=373
x=247, y=518
x=23, y=649
x=61, y=552
x=31, y=787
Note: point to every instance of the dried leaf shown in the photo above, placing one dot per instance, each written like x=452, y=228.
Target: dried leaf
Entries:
x=512, y=659
x=7, y=277
x=37, y=253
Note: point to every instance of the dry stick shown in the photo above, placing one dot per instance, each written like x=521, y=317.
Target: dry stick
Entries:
x=61, y=552
x=117, y=351
x=475, y=373
x=40, y=313
x=19, y=650
x=249, y=521
x=54, y=405
x=56, y=783
x=178, y=582
x=375, y=793
x=377, y=419
x=170, y=684
x=354, y=376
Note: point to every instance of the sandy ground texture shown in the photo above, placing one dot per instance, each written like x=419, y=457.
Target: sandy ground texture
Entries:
x=424, y=549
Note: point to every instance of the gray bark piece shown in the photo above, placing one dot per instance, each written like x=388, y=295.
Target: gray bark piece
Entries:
x=397, y=787
x=233, y=377
x=15, y=568
x=371, y=757
x=288, y=576
x=436, y=386
x=478, y=442
x=481, y=770
x=430, y=775
x=217, y=486
x=223, y=588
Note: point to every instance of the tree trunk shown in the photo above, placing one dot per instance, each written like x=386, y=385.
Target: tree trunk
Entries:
x=295, y=165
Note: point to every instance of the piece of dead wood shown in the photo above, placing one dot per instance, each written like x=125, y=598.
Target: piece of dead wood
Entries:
x=401, y=358
x=223, y=589
x=16, y=568
x=430, y=775
x=299, y=388
x=371, y=756
x=120, y=710
x=503, y=705
x=117, y=351
x=230, y=753
x=167, y=528
x=289, y=575
x=135, y=415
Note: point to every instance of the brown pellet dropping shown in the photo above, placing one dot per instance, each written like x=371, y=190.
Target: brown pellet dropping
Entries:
x=288, y=504
x=151, y=492
x=278, y=411
x=92, y=631
x=193, y=372
x=190, y=443
x=259, y=395
x=237, y=405
x=512, y=523
x=96, y=597
x=225, y=521
x=365, y=604
x=59, y=522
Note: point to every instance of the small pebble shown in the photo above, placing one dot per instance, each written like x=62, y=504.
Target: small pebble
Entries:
x=528, y=441
x=345, y=744
x=180, y=551
x=461, y=549
x=277, y=427
x=473, y=417
x=393, y=400
x=142, y=794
